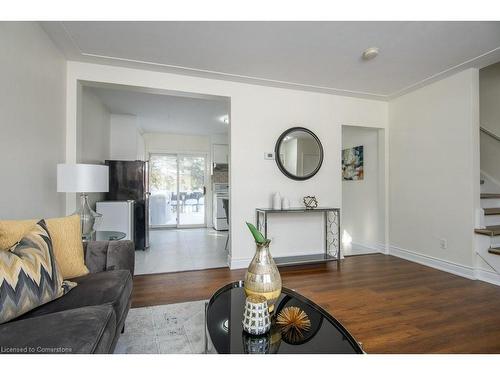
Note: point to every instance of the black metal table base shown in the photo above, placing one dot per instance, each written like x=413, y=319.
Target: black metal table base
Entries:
x=331, y=218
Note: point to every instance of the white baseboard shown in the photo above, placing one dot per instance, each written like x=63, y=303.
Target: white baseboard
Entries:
x=488, y=276
x=447, y=266
x=443, y=265
x=360, y=248
x=382, y=248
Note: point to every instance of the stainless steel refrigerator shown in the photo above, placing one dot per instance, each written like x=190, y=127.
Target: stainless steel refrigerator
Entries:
x=129, y=180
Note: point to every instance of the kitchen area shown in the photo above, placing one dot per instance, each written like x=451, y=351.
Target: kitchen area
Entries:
x=220, y=186
x=169, y=160
x=189, y=216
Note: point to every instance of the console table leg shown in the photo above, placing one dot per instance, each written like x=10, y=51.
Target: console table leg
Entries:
x=325, y=216
x=332, y=233
x=339, y=236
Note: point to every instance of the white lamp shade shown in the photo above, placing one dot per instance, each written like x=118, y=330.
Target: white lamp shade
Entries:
x=82, y=178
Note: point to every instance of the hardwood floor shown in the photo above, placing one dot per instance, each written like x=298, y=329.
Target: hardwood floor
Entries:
x=389, y=304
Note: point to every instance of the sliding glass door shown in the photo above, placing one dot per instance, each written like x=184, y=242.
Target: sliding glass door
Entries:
x=191, y=190
x=177, y=185
x=163, y=178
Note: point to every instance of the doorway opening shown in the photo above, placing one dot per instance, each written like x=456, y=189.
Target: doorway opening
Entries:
x=363, y=190
x=183, y=141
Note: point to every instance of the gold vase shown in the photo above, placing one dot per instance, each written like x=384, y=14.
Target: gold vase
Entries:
x=262, y=276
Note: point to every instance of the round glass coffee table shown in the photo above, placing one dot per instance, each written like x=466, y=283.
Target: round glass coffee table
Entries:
x=225, y=335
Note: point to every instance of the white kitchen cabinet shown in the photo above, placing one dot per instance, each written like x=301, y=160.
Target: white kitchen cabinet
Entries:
x=220, y=154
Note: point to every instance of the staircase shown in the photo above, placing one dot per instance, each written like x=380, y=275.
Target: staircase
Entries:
x=490, y=203
x=487, y=221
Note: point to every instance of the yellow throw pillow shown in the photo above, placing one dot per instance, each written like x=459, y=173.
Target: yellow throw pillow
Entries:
x=66, y=239
x=11, y=231
x=66, y=235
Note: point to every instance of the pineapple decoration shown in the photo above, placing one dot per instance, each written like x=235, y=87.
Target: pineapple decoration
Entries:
x=293, y=322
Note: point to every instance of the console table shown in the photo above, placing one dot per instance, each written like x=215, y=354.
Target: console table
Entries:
x=332, y=234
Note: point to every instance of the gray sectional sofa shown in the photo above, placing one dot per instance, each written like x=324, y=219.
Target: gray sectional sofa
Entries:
x=89, y=318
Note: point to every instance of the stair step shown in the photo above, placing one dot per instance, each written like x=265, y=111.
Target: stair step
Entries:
x=490, y=196
x=492, y=230
x=494, y=250
x=492, y=211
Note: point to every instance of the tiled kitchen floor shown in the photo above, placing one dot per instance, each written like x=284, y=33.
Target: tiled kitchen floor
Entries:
x=173, y=250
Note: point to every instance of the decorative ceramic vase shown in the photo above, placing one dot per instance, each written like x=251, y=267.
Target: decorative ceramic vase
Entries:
x=256, y=320
x=285, y=203
x=277, y=201
x=262, y=276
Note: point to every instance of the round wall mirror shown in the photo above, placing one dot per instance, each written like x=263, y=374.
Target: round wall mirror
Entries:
x=299, y=153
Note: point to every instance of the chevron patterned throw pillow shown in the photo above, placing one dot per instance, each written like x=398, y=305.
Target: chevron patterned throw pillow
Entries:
x=29, y=275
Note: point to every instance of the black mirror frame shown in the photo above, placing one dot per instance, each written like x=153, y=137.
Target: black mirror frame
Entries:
x=277, y=155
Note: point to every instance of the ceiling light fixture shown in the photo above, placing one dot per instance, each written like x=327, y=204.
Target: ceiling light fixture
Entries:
x=224, y=119
x=370, y=53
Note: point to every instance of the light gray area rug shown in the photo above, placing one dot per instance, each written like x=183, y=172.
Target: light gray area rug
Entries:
x=166, y=329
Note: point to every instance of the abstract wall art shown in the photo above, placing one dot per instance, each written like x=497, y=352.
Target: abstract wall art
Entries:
x=352, y=164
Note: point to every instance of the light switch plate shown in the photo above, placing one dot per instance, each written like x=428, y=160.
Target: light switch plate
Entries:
x=269, y=155
x=443, y=243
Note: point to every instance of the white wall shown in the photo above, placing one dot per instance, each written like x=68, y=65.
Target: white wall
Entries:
x=176, y=143
x=254, y=180
x=362, y=203
x=124, y=135
x=103, y=135
x=32, y=122
x=141, y=146
x=95, y=129
x=489, y=86
x=434, y=170
x=221, y=139
x=258, y=116
x=489, y=92
x=94, y=134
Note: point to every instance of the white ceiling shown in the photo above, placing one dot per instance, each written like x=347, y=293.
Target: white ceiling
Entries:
x=318, y=56
x=159, y=113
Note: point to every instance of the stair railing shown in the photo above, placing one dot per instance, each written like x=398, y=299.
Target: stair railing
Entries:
x=488, y=263
x=490, y=133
